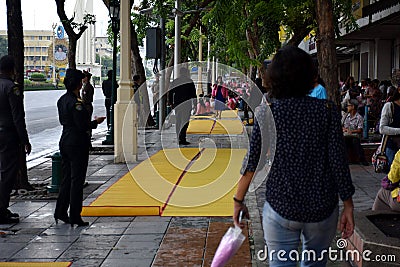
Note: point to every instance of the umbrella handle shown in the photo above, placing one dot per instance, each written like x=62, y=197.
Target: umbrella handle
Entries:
x=240, y=216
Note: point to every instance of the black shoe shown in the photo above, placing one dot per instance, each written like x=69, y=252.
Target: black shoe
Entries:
x=12, y=214
x=64, y=218
x=79, y=222
x=8, y=220
x=184, y=143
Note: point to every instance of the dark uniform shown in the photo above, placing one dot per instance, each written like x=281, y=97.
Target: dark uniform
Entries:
x=74, y=149
x=180, y=95
x=12, y=134
x=107, y=92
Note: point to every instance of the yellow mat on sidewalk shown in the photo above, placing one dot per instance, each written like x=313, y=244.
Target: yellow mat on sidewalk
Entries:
x=128, y=197
x=200, y=126
x=227, y=126
x=35, y=264
x=208, y=187
x=172, y=182
x=225, y=114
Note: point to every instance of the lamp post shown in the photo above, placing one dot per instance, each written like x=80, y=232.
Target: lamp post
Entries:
x=54, y=25
x=114, y=15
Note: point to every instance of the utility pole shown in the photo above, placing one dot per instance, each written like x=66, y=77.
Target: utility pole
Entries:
x=177, y=48
x=54, y=25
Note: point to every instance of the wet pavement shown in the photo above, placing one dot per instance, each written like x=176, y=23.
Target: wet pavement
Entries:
x=137, y=241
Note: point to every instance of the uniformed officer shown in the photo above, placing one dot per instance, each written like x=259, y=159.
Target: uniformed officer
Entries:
x=12, y=134
x=74, y=149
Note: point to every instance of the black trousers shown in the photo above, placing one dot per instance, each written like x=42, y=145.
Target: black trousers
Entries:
x=354, y=150
x=8, y=172
x=74, y=166
x=182, y=115
x=107, y=103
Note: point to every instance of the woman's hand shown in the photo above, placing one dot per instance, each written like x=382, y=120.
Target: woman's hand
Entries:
x=346, y=225
x=99, y=119
x=236, y=211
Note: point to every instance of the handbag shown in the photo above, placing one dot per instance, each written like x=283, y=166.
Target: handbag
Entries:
x=379, y=158
x=387, y=184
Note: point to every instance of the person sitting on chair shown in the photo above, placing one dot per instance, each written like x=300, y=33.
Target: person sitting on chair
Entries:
x=352, y=124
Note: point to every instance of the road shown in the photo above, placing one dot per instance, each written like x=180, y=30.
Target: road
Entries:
x=42, y=122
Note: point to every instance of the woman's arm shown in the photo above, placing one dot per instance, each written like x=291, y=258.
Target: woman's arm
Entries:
x=241, y=191
x=386, y=118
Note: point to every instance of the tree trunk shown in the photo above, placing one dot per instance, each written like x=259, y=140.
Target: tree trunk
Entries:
x=16, y=37
x=72, y=36
x=16, y=49
x=326, y=48
x=72, y=52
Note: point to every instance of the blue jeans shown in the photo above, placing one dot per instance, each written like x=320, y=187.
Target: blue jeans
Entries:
x=282, y=237
x=390, y=153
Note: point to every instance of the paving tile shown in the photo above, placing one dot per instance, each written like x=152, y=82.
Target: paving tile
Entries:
x=152, y=219
x=63, y=229
x=82, y=262
x=103, y=230
x=144, y=246
x=141, y=227
x=32, y=225
x=32, y=260
x=10, y=249
x=133, y=251
x=139, y=262
x=25, y=208
x=114, y=219
x=96, y=241
x=155, y=238
x=16, y=238
x=26, y=231
x=42, y=250
x=111, y=224
x=44, y=238
x=85, y=253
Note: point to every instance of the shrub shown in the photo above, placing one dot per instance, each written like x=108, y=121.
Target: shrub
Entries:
x=39, y=77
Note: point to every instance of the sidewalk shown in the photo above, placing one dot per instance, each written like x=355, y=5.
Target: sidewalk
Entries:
x=136, y=241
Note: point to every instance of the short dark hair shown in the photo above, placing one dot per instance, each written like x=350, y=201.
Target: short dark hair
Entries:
x=109, y=74
x=396, y=94
x=291, y=73
x=136, y=77
x=7, y=64
x=73, y=78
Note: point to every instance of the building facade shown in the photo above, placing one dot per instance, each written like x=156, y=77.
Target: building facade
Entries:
x=373, y=50
x=36, y=51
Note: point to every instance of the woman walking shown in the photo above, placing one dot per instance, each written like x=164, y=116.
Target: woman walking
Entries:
x=309, y=171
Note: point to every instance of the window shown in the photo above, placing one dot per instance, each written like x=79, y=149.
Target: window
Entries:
x=44, y=58
x=44, y=49
x=40, y=37
x=48, y=38
x=31, y=49
x=37, y=49
x=32, y=37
